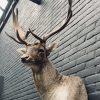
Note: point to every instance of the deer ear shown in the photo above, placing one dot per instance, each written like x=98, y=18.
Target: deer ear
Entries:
x=51, y=47
x=21, y=50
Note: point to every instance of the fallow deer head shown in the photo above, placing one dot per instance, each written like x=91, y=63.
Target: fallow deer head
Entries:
x=35, y=53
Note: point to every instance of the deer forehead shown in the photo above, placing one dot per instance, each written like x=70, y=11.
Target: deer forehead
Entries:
x=34, y=47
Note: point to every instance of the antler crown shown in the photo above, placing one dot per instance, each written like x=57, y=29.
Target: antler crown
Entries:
x=21, y=36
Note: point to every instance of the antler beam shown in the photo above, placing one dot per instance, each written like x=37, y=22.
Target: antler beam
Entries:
x=18, y=29
x=67, y=20
x=41, y=40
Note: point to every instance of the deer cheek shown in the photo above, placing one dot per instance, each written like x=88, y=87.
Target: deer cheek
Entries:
x=41, y=54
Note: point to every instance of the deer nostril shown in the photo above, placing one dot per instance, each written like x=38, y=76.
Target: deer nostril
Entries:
x=23, y=59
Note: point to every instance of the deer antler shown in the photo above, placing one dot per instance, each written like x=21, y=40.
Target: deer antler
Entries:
x=17, y=26
x=41, y=40
x=58, y=30
x=13, y=38
x=65, y=24
x=19, y=32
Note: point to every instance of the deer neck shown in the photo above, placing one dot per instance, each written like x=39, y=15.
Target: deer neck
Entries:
x=47, y=77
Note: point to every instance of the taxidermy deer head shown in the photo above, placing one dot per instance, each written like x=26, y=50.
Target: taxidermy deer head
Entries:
x=35, y=53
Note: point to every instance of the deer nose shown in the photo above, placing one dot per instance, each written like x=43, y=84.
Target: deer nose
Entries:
x=23, y=59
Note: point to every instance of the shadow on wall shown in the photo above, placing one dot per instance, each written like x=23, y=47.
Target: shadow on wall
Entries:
x=1, y=86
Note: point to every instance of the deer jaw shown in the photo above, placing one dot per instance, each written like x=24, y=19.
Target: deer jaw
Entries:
x=45, y=79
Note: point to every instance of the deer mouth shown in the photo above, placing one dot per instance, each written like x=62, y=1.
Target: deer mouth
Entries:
x=24, y=61
x=31, y=61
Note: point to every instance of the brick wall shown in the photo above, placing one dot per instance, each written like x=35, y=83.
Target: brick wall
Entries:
x=78, y=52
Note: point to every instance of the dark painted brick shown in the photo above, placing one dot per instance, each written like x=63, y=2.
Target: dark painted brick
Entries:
x=60, y=47
x=64, y=50
x=77, y=68
x=85, y=58
x=69, y=65
x=66, y=72
x=70, y=41
x=97, y=60
x=36, y=98
x=65, y=61
x=98, y=37
x=83, y=19
x=80, y=28
x=69, y=36
x=71, y=52
x=87, y=43
x=77, y=55
x=93, y=79
x=91, y=88
x=94, y=96
x=53, y=56
x=94, y=18
x=97, y=52
x=98, y=86
x=60, y=64
x=98, y=69
x=86, y=30
x=60, y=58
x=59, y=69
x=78, y=42
x=1, y=85
x=87, y=72
x=93, y=33
x=98, y=23
x=90, y=63
x=93, y=47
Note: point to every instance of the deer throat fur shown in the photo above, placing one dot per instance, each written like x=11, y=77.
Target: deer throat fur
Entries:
x=46, y=78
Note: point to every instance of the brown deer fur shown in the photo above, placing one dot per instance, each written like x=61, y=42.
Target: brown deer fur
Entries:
x=54, y=86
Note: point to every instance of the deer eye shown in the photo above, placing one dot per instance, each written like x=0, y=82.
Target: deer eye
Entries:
x=40, y=50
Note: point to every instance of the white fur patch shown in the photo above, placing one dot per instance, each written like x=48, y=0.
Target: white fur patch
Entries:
x=60, y=93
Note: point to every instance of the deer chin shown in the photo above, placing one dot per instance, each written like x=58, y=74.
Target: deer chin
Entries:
x=36, y=66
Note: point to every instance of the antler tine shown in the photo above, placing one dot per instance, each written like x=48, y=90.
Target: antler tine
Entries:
x=17, y=28
x=22, y=41
x=15, y=23
x=13, y=38
x=41, y=40
x=65, y=24
x=17, y=13
x=27, y=33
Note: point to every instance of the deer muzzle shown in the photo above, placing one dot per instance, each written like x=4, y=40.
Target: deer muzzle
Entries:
x=24, y=59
